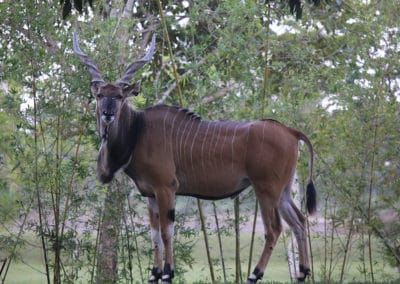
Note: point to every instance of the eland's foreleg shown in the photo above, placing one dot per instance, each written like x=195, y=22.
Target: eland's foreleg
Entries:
x=273, y=227
x=158, y=246
x=166, y=203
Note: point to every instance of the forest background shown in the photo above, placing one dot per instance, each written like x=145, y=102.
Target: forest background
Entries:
x=330, y=70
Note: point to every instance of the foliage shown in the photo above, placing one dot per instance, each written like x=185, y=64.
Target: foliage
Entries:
x=334, y=75
x=295, y=6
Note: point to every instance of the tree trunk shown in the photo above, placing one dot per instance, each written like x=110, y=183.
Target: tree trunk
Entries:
x=128, y=9
x=107, y=251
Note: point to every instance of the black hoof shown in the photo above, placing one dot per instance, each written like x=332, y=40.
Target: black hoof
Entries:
x=251, y=281
x=166, y=279
x=168, y=274
x=305, y=271
x=255, y=276
x=156, y=275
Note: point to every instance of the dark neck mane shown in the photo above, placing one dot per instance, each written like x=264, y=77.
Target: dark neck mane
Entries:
x=189, y=113
x=120, y=143
x=129, y=132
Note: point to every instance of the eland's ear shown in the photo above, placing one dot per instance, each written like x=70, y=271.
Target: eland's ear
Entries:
x=131, y=90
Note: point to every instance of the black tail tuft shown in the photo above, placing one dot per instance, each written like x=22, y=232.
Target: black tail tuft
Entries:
x=311, y=198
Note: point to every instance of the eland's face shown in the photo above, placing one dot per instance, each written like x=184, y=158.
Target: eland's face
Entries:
x=109, y=99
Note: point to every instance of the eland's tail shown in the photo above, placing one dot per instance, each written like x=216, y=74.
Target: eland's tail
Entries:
x=311, y=193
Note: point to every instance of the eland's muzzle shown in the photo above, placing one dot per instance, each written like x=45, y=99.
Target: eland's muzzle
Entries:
x=107, y=117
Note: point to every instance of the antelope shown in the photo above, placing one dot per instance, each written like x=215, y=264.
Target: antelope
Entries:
x=169, y=151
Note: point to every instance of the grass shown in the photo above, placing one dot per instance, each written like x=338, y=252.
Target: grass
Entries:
x=30, y=267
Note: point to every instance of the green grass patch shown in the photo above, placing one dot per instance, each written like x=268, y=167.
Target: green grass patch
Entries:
x=29, y=267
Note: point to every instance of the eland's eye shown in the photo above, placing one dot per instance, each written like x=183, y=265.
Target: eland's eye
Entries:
x=100, y=96
x=117, y=97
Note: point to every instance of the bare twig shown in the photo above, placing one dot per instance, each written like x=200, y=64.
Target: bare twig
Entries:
x=171, y=54
x=203, y=228
x=253, y=233
x=219, y=241
x=221, y=92
x=238, y=273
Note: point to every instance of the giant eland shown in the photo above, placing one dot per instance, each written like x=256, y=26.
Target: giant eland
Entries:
x=169, y=151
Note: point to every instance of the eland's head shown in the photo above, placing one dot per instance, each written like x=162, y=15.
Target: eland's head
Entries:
x=110, y=97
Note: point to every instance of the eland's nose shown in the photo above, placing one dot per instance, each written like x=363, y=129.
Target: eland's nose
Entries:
x=107, y=117
x=106, y=113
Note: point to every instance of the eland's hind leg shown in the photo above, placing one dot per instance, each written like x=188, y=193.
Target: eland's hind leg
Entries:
x=268, y=199
x=297, y=223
